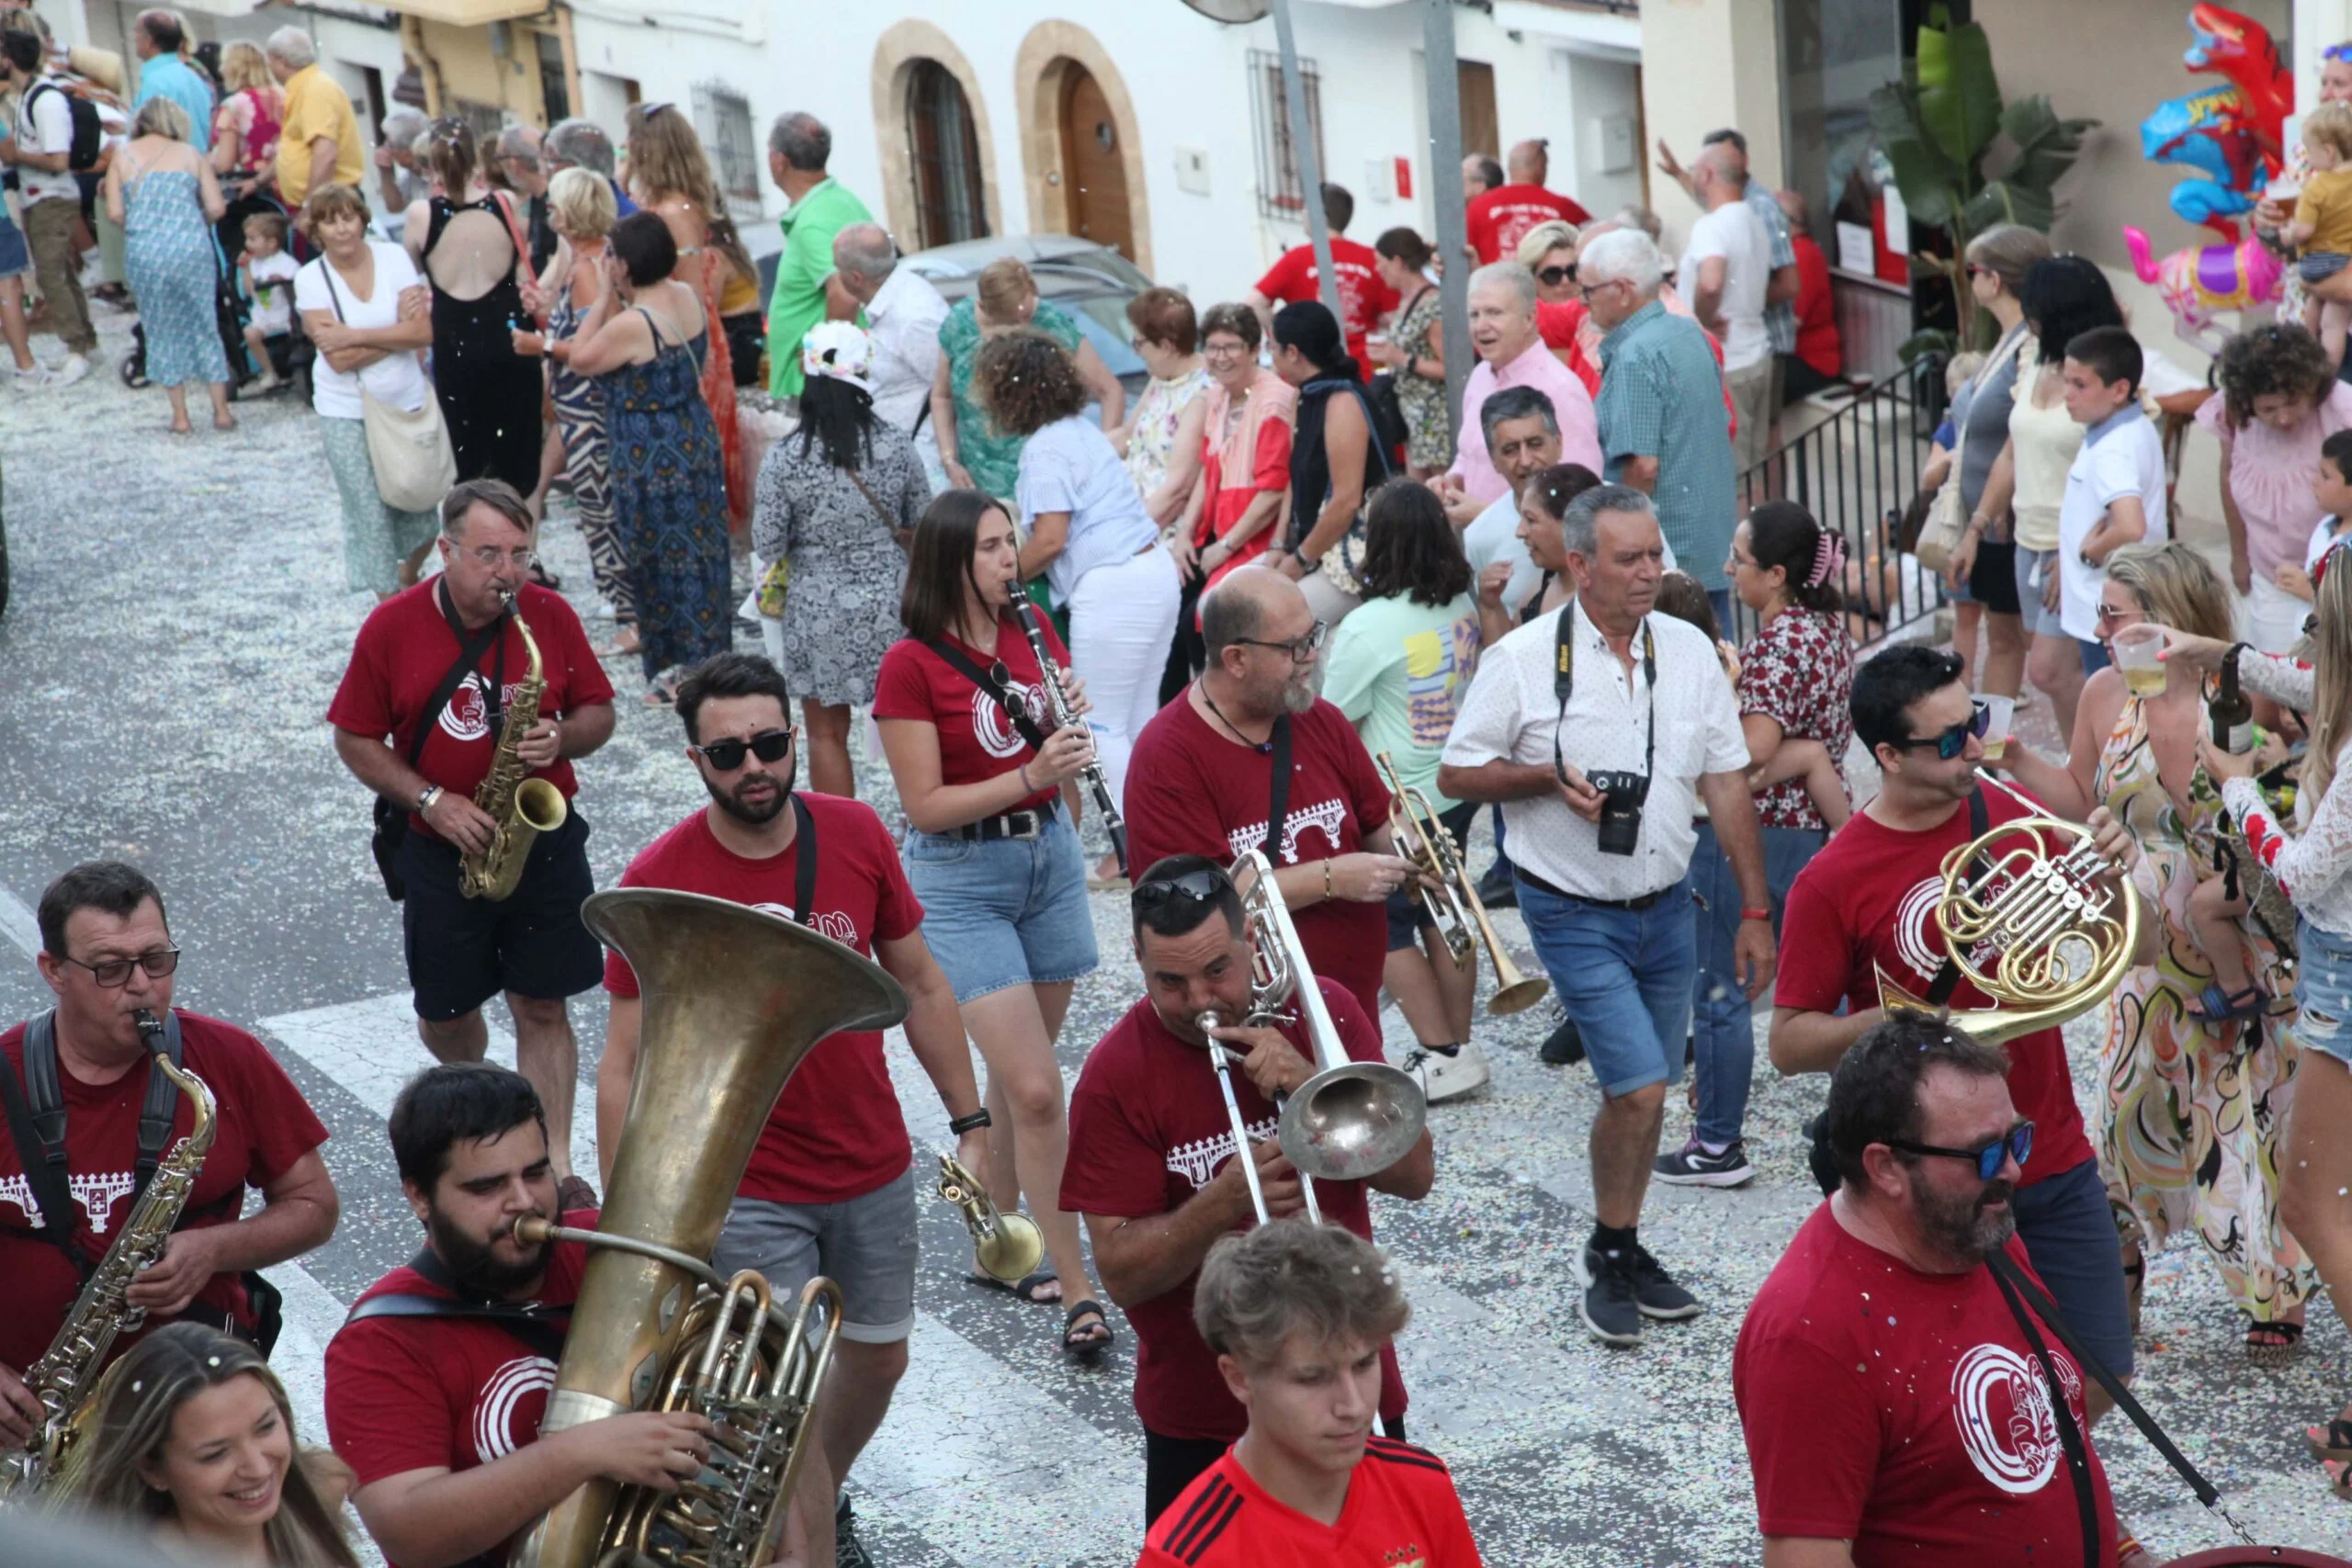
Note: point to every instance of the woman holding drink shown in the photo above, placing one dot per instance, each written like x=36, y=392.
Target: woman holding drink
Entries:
x=2187, y=1061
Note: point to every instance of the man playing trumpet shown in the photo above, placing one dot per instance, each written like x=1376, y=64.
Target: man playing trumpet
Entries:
x=1151, y=1155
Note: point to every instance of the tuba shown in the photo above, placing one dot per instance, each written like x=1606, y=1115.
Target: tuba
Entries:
x=2028, y=916
x=522, y=807
x=734, y=999
x=1454, y=904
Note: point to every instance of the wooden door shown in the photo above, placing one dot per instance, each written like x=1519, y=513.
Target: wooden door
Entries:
x=1476, y=83
x=1094, y=172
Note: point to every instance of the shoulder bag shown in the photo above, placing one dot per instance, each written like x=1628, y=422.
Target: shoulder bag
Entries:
x=1939, y=533
x=1339, y=562
x=408, y=449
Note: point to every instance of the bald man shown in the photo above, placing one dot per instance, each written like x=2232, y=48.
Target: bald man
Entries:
x=1501, y=218
x=1725, y=274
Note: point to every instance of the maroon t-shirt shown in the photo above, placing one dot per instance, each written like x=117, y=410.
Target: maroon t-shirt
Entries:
x=1147, y=1129
x=406, y=648
x=835, y=1132
x=1191, y=789
x=1499, y=219
x=977, y=739
x=262, y=1128
x=1364, y=295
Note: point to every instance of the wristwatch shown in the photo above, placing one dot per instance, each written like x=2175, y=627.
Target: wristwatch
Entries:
x=426, y=796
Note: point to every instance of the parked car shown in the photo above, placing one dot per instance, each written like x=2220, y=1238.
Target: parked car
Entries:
x=1091, y=282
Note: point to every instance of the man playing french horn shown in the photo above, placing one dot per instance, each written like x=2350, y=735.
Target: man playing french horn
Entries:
x=421, y=719
x=1152, y=1150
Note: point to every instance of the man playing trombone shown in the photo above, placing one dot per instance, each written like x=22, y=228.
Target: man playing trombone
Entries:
x=1151, y=1141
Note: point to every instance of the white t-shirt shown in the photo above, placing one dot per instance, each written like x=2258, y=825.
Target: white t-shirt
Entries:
x=2124, y=457
x=396, y=378
x=45, y=124
x=273, y=299
x=1734, y=232
x=2324, y=538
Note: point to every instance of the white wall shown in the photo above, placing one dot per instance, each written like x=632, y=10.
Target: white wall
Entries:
x=1598, y=89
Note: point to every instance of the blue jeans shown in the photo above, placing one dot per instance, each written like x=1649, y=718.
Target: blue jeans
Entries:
x=1624, y=976
x=2070, y=1240
x=1723, y=1038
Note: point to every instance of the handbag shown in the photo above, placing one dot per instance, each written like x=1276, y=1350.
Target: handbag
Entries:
x=1939, y=532
x=1338, y=563
x=408, y=449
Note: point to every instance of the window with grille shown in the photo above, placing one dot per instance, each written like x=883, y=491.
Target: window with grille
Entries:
x=1282, y=193
x=724, y=118
x=945, y=150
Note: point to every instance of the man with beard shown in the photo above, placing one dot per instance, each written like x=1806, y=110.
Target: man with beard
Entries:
x=830, y=1188
x=1249, y=757
x=1922, y=1427
x=437, y=1384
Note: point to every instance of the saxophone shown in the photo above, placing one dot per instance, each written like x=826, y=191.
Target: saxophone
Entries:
x=524, y=807
x=62, y=1380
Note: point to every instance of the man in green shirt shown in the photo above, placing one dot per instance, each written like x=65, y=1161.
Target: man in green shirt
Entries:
x=798, y=147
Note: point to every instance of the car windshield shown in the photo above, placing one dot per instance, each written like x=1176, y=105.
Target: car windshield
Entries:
x=1102, y=317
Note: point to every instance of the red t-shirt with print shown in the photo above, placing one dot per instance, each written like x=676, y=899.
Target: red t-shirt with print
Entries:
x=835, y=1133
x=262, y=1128
x=405, y=648
x=1401, y=1512
x=1501, y=218
x=1906, y=1412
x=1867, y=902
x=977, y=739
x=1147, y=1129
x=1364, y=297
x=1191, y=789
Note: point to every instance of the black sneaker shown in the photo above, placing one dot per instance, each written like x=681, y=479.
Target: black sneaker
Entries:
x=1692, y=1166
x=1654, y=1292
x=1610, y=1308
x=1563, y=1048
x=848, y=1551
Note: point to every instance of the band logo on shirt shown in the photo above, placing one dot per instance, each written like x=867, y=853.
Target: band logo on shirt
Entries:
x=1197, y=1161
x=828, y=923
x=1326, y=815
x=1918, y=935
x=98, y=1195
x=993, y=731
x=467, y=715
x=2005, y=1422
x=496, y=1433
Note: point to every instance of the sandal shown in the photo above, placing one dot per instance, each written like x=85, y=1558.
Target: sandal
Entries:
x=661, y=695
x=1028, y=1288
x=2272, y=1344
x=2331, y=1443
x=2216, y=1006
x=1078, y=1343
x=2340, y=1478
x=544, y=578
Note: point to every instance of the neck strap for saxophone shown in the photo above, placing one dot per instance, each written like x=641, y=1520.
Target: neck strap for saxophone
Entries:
x=470, y=646
x=36, y=1112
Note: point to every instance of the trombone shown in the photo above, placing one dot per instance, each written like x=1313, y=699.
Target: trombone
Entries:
x=1454, y=903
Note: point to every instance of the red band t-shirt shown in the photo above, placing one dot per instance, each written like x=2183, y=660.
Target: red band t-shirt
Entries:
x=1906, y=1412
x=1147, y=1129
x=1365, y=295
x=977, y=739
x=1501, y=218
x=406, y=648
x=1866, y=902
x=835, y=1133
x=262, y=1128
x=1401, y=1512
x=1193, y=789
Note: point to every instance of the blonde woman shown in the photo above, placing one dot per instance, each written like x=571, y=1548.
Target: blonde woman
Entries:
x=163, y=193
x=2197, y=1083
x=251, y=112
x=194, y=1438
x=976, y=453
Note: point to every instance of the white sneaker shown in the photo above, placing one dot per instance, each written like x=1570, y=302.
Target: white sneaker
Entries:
x=1444, y=1077
x=36, y=376
x=68, y=370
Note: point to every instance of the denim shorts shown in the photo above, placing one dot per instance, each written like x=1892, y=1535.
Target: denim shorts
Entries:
x=1624, y=976
x=15, y=259
x=1004, y=911
x=864, y=1244
x=2070, y=1238
x=2323, y=991
x=2038, y=621
x=2318, y=266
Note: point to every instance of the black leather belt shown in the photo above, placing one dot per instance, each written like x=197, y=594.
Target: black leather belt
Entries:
x=1012, y=824
x=1636, y=905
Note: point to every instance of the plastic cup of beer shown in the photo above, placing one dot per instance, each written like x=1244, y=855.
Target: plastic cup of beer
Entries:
x=2138, y=651
x=1998, y=712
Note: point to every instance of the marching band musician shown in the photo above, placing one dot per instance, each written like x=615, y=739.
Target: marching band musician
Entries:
x=992, y=852
x=1151, y=1161
x=437, y=1382
x=448, y=645
x=106, y=954
x=830, y=1188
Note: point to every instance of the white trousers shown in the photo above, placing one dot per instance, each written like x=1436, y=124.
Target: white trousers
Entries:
x=1121, y=620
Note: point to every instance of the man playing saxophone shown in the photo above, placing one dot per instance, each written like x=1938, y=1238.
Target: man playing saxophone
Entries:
x=419, y=719
x=106, y=954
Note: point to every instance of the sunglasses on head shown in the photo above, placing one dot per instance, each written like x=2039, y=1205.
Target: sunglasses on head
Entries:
x=768, y=745
x=2016, y=1144
x=1204, y=884
x=1951, y=742
x=1554, y=277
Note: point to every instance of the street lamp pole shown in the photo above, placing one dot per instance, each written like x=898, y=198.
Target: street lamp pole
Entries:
x=1310, y=166
x=1445, y=192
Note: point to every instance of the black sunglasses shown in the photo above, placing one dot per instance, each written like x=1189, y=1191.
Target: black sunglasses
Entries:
x=768, y=745
x=1554, y=277
x=1204, y=885
x=111, y=973
x=1300, y=649
x=2016, y=1144
x=1951, y=742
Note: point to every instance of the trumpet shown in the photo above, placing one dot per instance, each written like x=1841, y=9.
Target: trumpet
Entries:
x=1008, y=1246
x=1454, y=903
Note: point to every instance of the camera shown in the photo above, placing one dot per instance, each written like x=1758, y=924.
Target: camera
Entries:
x=1621, y=794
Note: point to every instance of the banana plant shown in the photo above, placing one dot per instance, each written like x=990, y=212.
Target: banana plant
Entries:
x=1964, y=159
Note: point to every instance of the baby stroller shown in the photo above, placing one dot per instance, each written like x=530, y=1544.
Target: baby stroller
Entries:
x=292, y=354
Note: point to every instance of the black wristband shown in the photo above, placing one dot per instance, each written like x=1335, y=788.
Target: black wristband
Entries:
x=963, y=1125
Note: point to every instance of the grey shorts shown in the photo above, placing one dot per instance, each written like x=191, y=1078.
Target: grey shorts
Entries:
x=2038, y=621
x=864, y=1244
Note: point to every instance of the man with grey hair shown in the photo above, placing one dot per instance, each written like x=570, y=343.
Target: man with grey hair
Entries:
x=1510, y=354
x=318, y=141
x=904, y=314
x=398, y=180
x=1601, y=727
x=583, y=144
x=526, y=176
x=821, y=206
x=1663, y=424
x=1725, y=273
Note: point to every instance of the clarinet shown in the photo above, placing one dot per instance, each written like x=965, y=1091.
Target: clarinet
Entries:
x=1033, y=622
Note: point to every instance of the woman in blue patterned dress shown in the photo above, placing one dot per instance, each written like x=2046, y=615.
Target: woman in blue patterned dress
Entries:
x=643, y=339
x=163, y=193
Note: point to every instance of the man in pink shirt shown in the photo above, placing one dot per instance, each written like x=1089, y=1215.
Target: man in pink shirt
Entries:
x=1512, y=354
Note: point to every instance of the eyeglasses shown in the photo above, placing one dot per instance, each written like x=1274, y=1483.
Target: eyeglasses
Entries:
x=1300, y=649
x=493, y=557
x=115, y=973
x=2336, y=52
x=1554, y=277
x=2108, y=618
x=1951, y=742
x=768, y=745
x=1204, y=886
x=2016, y=1143
x=1226, y=350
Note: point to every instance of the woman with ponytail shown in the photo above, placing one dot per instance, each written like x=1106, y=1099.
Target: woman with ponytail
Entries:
x=1795, y=677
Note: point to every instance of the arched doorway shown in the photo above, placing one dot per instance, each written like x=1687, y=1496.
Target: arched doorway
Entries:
x=1093, y=166
x=950, y=204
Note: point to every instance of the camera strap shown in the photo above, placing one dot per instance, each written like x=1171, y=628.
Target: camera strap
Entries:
x=1564, y=680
